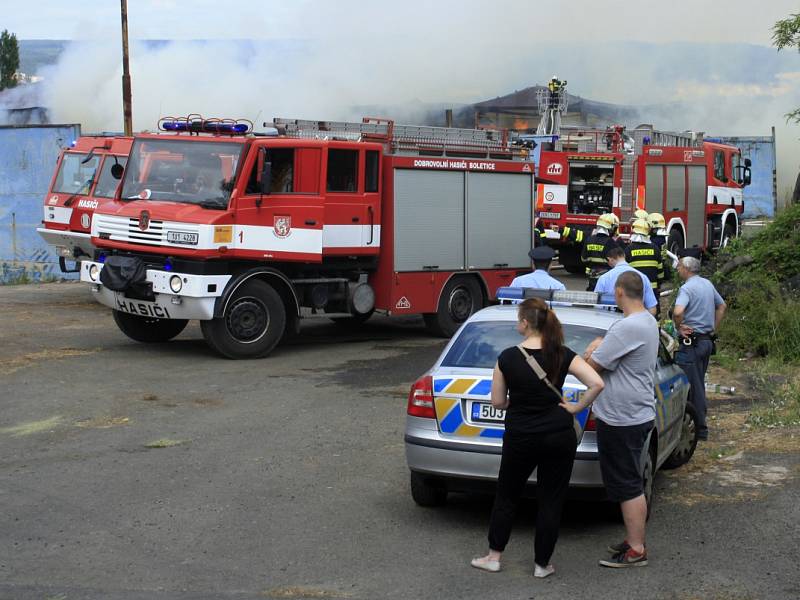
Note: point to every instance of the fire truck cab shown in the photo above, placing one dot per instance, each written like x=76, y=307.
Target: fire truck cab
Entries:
x=252, y=233
x=84, y=179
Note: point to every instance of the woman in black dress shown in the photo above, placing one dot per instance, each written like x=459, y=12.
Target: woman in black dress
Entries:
x=539, y=431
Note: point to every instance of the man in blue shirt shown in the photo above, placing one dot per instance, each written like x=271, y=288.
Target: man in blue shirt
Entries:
x=698, y=312
x=607, y=281
x=541, y=256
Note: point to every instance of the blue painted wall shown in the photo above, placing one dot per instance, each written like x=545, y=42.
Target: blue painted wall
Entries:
x=760, y=197
x=28, y=157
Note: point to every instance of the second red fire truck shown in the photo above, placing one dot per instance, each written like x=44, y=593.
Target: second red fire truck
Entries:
x=250, y=233
x=696, y=184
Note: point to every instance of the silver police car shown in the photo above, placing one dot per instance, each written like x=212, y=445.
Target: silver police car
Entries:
x=454, y=436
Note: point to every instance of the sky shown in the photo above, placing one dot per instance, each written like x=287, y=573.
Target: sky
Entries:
x=320, y=59
x=477, y=21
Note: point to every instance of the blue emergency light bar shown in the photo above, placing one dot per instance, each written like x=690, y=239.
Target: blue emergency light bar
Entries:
x=197, y=124
x=515, y=295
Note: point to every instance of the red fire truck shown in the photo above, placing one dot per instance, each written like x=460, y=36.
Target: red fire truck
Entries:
x=250, y=233
x=84, y=179
x=697, y=185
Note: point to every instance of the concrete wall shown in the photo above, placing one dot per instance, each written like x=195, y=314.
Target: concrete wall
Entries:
x=28, y=157
x=761, y=196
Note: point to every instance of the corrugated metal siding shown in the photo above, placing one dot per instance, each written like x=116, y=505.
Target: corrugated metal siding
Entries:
x=760, y=197
x=27, y=159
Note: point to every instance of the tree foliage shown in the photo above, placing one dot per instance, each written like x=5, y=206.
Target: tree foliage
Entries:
x=786, y=34
x=9, y=59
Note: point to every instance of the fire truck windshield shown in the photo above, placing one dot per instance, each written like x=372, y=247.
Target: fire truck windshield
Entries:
x=175, y=170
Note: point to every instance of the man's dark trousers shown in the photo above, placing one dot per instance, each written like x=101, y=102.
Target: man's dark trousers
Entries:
x=694, y=362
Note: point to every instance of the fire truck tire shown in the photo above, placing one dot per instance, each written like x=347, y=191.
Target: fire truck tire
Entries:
x=675, y=241
x=570, y=259
x=461, y=298
x=728, y=233
x=252, y=325
x=147, y=330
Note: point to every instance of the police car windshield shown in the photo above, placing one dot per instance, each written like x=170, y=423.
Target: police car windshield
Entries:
x=191, y=172
x=75, y=177
x=481, y=342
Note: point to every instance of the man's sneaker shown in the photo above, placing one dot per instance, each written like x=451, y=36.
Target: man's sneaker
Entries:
x=629, y=558
x=617, y=548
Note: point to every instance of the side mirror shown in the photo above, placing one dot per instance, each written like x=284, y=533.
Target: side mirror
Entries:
x=747, y=179
x=266, y=178
x=117, y=170
x=748, y=162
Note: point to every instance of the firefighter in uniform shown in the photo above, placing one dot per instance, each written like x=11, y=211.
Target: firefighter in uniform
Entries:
x=596, y=246
x=644, y=256
x=658, y=235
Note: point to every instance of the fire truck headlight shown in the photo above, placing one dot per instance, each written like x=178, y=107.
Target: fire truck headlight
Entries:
x=175, y=284
x=93, y=271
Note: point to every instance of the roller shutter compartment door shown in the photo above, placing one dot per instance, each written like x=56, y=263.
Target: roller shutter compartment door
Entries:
x=654, y=189
x=499, y=220
x=428, y=220
x=696, y=211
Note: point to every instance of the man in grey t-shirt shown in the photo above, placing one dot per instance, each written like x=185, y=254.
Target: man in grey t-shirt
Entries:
x=625, y=412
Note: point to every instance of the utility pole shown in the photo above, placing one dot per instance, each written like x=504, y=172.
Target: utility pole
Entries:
x=126, y=74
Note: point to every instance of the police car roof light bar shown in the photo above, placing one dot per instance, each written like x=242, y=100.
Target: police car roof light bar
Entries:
x=515, y=295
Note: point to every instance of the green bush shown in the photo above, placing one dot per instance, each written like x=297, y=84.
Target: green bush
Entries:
x=763, y=307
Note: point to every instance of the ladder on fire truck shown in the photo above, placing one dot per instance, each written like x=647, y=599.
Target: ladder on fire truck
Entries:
x=408, y=139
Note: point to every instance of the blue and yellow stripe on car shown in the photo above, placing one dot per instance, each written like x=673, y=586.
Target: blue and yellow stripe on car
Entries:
x=450, y=410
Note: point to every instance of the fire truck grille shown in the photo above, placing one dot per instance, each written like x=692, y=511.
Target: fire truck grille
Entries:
x=126, y=229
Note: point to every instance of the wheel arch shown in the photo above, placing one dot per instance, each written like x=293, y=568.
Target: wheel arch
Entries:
x=275, y=278
x=476, y=275
x=732, y=217
x=677, y=222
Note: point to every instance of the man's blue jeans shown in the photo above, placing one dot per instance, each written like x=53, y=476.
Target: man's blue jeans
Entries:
x=694, y=362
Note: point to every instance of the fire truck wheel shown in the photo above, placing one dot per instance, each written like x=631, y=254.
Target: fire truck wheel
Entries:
x=727, y=235
x=460, y=299
x=675, y=241
x=253, y=323
x=147, y=330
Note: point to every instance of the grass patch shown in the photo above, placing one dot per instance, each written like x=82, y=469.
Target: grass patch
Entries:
x=165, y=443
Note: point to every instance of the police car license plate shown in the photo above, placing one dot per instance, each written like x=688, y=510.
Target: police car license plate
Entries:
x=480, y=411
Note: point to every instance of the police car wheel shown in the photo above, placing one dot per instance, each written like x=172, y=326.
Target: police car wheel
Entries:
x=648, y=476
x=461, y=298
x=687, y=444
x=426, y=491
x=252, y=325
x=147, y=329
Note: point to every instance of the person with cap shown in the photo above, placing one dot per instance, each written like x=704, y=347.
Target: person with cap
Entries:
x=596, y=247
x=658, y=235
x=539, y=278
x=642, y=255
x=698, y=312
x=638, y=214
x=607, y=281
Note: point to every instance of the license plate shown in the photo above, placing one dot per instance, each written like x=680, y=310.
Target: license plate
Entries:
x=181, y=237
x=487, y=413
x=548, y=215
x=141, y=308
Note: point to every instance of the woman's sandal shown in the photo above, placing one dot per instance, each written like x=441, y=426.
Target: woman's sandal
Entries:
x=484, y=564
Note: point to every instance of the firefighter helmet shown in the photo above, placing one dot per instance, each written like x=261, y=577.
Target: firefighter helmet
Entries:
x=639, y=214
x=641, y=227
x=607, y=221
x=657, y=221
